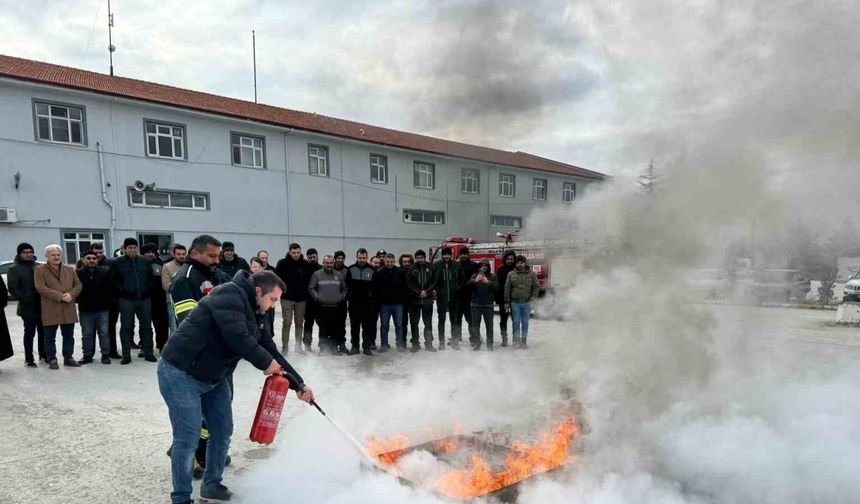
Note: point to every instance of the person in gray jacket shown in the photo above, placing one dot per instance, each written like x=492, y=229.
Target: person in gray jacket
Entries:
x=328, y=289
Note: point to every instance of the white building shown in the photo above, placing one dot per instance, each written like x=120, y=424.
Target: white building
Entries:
x=88, y=157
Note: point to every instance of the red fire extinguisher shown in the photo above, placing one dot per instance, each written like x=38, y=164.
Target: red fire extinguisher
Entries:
x=269, y=410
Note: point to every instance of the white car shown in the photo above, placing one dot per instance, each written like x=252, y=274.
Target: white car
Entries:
x=851, y=293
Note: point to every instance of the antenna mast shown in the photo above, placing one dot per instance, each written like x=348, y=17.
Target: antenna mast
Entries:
x=254, y=50
x=111, y=47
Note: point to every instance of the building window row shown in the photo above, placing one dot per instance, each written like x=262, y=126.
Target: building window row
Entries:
x=161, y=198
x=423, y=217
x=506, y=221
x=60, y=123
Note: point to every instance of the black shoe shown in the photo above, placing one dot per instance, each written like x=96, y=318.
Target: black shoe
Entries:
x=524, y=345
x=353, y=351
x=52, y=364
x=476, y=347
x=125, y=360
x=334, y=351
x=67, y=362
x=85, y=360
x=504, y=342
x=382, y=349
x=367, y=352
x=455, y=345
x=115, y=355
x=441, y=345
x=430, y=348
x=150, y=358
x=219, y=493
x=415, y=348
x=401, y=349
x=308, y=348
x=228, y=460
x=141, y=355
x=373, y=346
x=105, y=359
x=135, y=346
x=30, y=364
x=44, y=360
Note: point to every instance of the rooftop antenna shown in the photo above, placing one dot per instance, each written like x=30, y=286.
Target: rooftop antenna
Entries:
x=254, y=50
x=111, y=47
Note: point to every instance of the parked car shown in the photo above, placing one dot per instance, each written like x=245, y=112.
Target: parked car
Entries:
x=778, y=286
x=851, y=291
x=4, y=270
x=710, y=283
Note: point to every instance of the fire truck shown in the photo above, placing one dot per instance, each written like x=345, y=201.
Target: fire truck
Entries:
x=555, y=262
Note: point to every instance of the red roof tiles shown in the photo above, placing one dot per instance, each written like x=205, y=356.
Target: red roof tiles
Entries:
x=46, y=73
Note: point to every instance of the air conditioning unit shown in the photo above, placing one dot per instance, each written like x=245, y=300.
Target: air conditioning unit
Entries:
x=8, y=215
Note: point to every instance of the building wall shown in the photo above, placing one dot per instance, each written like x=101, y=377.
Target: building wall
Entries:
x=60, y=187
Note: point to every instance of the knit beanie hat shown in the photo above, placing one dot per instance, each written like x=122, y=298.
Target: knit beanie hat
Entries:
x=129, y=241
x=25, y=246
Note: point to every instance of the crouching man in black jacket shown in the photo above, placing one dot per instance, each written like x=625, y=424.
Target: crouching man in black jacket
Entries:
x=194, y=369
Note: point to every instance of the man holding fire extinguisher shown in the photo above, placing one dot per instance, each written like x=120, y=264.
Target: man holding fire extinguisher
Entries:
x=196, y=363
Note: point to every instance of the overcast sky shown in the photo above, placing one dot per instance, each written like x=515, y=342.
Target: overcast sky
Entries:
x=604, y=85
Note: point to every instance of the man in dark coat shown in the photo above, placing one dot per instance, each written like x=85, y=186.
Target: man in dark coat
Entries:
x=388, y=288
x=93, y=306
x=21, y=286
x=328, y=289
x=421, y=280
x=362, y=319
x=311, y=306
x=293, y=271
x=196, y=363
x=5, y=339
x=484, y=286
x=502, y=277
x=449, y=281
x=469, y=268
x=133, y=282
x=230, y=262
x=157, y=296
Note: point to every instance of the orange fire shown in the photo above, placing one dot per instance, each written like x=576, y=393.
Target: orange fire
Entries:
x=478, y=478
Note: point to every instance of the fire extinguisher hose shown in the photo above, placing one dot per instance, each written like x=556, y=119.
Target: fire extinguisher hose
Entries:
x=354, y=442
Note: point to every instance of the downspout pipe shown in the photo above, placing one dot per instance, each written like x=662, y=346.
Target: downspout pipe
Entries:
x=104, y=190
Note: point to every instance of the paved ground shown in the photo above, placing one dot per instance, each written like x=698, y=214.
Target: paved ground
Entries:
x=98, y=434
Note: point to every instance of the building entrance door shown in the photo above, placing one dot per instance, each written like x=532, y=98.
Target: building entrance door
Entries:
x=162, y=240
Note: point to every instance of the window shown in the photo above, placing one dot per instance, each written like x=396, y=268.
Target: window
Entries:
x=318, y=160
x=470, y=181
x=423, y=217
x=164, y=140
x=248, y=150
x=507, y=183
x=568, y=192
x=424, y=175
x=60, y=123
x=163, y=198
x=506, y=221
x=75, y=243
x=539, y=189
x=378, y=169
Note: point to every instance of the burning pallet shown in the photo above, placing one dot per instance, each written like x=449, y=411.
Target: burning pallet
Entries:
x=469, y=467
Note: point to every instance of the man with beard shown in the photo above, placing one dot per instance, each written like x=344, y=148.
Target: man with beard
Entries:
x=340, y=267
x=328, y=289
x=93, y=305
x=389, y=290
x=133, y=283
x=484, y=286
x=469, y=268
x=263, y=257
x=311, y=307
x=230, y=262
x=502, y=277
x=21, y=286
x=521, y=288
x=293, y=271
x=449, y=281
x=421, y=281
x=177, y=253
x=113, y=311
x=361, y=315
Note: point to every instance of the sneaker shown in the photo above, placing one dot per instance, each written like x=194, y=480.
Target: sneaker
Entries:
x=85, y=360
x=150, y=358
x=125, y=360
x=52, y=364
x=354, y=351
x=220, y=493
x=30, y=364
x=105, y=359
x=382, y=349
x=367, y=352
x=430, y=348
x=67, y=362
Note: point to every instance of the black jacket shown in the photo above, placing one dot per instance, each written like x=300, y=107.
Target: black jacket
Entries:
x=220, y=332
x=502, y=275
x=230, y=268
x=132, y=277
x=358, y=279
x=296, y=275
x=389, y=286
x=96, y=289
x=469, y=269
x=20, y=277
x=421, y=277
x=191, y=282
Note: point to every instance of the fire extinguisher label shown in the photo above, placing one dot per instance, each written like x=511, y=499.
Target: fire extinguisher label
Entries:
x=271, y=414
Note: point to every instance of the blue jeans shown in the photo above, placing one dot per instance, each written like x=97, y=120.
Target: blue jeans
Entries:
x=92, y=322
x=386, y=312
x=188, y=401
x=68, y=332
x=520, y=314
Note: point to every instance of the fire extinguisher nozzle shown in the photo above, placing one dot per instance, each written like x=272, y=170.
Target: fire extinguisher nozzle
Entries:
x=317, y=406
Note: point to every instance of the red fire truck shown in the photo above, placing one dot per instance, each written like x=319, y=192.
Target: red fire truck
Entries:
x=556, y=262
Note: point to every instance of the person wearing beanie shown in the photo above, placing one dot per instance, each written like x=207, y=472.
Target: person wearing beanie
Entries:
x=521, y=288
x=230, y=262
x=93, y=307
x=132, y=276
x=469, y=268
x=421, y=280
x=449, y=281
x=507, y=266
x=20, y=278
